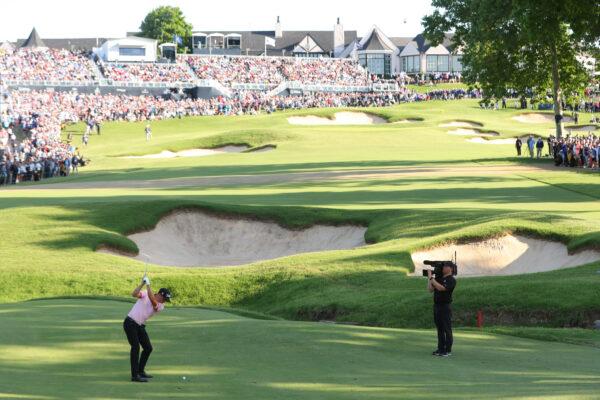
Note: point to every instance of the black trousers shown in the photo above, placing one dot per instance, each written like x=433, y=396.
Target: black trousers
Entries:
x=442, y=316
x=136, y=336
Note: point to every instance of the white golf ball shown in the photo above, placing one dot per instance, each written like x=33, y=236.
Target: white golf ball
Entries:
x=184, y=378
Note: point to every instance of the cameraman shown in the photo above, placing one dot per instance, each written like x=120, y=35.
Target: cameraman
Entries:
x=442, y=289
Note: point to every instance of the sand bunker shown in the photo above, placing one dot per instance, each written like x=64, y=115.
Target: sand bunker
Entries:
x=580, y=128
x=538, y=118
x=340, y=118
x=195, y=152
x=507, y=255
x=471, y=132
x=197, y=239
x=460, y=124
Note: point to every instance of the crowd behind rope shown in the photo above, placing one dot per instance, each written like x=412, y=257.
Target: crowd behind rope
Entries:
x=581, y=151
x=43, y=114
x=42, y=154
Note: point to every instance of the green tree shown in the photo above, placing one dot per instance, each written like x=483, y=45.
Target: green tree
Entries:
x=520, y=44
x=166, y=22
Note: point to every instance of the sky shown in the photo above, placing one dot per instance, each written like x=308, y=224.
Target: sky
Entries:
x=113, y=18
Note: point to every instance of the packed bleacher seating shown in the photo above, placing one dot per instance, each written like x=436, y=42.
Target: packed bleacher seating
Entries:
x=147, y=72
x=228, y=70
x=46, y=65
x=274, y=70
x=339, y=72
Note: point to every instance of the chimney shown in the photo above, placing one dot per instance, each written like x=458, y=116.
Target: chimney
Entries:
x=278, y=31
x=339, y=38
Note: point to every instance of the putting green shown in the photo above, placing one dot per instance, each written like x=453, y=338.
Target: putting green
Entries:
x=76, y=349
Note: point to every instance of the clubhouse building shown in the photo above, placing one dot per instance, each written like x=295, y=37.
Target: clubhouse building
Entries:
x=380, y=54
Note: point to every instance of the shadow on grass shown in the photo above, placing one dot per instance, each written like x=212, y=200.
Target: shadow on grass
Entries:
x=224, y=357
x=149, y=172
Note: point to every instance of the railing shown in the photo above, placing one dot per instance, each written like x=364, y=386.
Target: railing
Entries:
x=253, y=86
x=33, y=82
x=150, y=85
x=227, y=91
x=385, y=87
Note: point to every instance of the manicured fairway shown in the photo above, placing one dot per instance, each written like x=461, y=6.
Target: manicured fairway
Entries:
x=76, y=349
x=412, y=184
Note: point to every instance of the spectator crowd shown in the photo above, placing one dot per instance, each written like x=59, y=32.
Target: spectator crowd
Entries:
x=146, y=72
x=272, y=71
x=581, y=151
x=46, y=65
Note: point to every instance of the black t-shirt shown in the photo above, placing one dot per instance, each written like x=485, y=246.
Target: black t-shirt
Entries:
x=445, y=296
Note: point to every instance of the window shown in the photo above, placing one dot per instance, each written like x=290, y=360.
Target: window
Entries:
x=199, y=42
x=437, y=63
x=376, y=63
x=457, y=64
x=132, y=51
x=233, y=42
x=411, y=64
x=310, y=55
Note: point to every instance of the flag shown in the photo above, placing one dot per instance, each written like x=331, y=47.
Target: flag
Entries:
x=178, y=39
x=269, y=41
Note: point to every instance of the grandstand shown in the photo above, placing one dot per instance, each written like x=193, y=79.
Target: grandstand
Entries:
x=34, y=65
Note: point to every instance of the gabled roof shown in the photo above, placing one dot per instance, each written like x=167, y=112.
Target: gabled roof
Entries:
x=34, y=40
x=308, y=45
x=401, y=42
x=350, y=49
x=70, y=44
x=255, y=40
x=376, y=40
x=374, y=43
x=423, y=44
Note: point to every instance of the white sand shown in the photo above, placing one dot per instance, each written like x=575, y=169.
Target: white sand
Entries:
x=463, y=132
x=407, y=121
x=460, y=124
x=340, y=118
x=197, y=239
x=507, y=255
x=538, y=118
x=585, y=128
x=471, y=132
x=195, y=152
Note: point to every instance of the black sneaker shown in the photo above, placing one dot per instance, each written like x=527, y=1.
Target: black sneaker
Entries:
x=145, y=375
x=138, y=379
x=436, y=353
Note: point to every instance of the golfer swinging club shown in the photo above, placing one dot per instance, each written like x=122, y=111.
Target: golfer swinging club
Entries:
x=145, y=307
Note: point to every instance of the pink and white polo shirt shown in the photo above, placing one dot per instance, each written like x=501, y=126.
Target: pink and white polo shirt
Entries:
x=143, y=309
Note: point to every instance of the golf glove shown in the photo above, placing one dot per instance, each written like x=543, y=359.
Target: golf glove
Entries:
x=146, y=280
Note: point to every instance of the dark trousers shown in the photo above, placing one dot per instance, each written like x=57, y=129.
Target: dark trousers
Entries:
x=442, y=316
x=136, y=336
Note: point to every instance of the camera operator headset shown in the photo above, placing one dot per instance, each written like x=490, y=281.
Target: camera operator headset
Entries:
x=442, y=288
